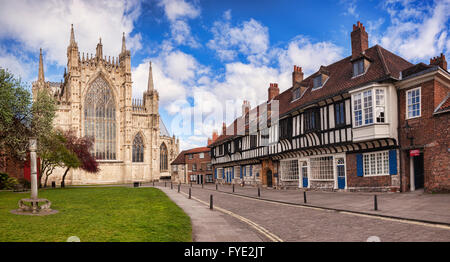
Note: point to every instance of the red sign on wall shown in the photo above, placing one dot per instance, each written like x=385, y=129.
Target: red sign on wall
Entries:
x=415, y=152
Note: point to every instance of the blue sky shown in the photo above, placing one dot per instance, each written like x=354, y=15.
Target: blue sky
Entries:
x=207, y=54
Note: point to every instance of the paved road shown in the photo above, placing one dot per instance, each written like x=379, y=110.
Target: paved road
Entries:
x=295, y=223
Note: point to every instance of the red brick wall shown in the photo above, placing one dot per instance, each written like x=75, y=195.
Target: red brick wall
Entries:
x=368, y=183
x=200, y=162
x=431, y=136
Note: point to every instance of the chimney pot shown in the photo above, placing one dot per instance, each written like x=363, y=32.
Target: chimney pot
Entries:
x=439, y=61
x=273, y=91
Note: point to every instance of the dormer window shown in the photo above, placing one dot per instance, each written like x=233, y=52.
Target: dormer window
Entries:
x=296, y=94
x=317, y=82
x=359, y=67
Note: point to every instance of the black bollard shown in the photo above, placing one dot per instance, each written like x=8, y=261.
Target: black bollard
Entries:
x=191, y=184
x=259, y=192
x=179, y=188
x=216, y=187
x=211, y=202
x=375, y=203
x=233, y=188
x=304, y=197
x=171, y=186
x=189, y=193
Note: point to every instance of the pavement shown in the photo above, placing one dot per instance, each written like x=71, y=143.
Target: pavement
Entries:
x=417, y=205
x=211, y=225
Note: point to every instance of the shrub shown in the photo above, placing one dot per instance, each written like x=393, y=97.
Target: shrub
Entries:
x=10, y=183
x=25, y=183
x=3, y=178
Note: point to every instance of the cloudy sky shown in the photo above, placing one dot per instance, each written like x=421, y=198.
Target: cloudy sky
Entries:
x=207, y=54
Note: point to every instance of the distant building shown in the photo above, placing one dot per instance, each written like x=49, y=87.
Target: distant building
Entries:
x=194, y=165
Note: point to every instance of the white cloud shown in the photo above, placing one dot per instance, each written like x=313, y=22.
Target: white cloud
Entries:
x=250, y=38
x=179, y=9
x=310, y=56
x=417, y=31
x=46, y=24
x=178, y=12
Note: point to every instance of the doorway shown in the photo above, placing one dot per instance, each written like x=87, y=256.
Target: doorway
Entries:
x=304, y=173
x=418, y=171
x=269, y=178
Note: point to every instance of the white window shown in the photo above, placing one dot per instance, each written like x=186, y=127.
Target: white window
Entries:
x=376, y=164
x=322, y=168
x=202, y=155
x=369, y=107
x=289, y=170
x=193, y=178
x=379, y=105
x=413, y=103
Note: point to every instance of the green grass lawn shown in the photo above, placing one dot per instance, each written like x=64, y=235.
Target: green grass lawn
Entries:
x=103, y=214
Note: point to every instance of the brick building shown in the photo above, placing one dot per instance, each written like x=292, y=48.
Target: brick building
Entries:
x=193, y=166
x=342, y=127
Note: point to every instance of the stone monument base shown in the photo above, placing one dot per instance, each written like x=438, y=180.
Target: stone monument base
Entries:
x=33, y=207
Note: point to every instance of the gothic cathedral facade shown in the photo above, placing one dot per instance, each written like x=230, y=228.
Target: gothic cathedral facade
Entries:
x=131, y=142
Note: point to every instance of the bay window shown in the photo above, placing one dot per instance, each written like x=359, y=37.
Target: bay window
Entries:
x=369, y=107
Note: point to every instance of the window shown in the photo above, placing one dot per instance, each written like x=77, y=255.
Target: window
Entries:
x=376, y=163
x=317, y=81
x=322, y=168
x=174, y=168
x=369, y=107
x=193, y=178
x=312, y=120
x=296, y=94
x=138, y=149
x=379, y=105
x=358, y=67
x=190, y=156
x=413, y=103
x=208, y=178
x=289, y=170
x=100, y=119
x=208, y=166
x=253, y=141
x=194, y=167
x=305, y=169
x=163, y=157
x=286, y=128
x=340, y=167
x=339, y=114
x=201, y=155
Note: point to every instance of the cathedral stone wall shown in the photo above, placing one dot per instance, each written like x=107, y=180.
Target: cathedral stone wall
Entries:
x=114, y=122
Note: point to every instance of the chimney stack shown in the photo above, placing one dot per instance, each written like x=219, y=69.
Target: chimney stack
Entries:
x=214, y=135
x=360, y=40
x=224, y=128
x=245, y=107
x=297, y=75
x=439, y=61
x=273, y=91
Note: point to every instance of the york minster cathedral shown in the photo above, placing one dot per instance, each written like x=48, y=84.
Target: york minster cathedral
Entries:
x=95, y=99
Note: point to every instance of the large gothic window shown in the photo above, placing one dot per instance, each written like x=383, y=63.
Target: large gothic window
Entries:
x=138, y=148
x=100, y=119
x=163, y=157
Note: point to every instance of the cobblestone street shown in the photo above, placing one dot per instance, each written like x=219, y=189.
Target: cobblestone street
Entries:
x=300, y=223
